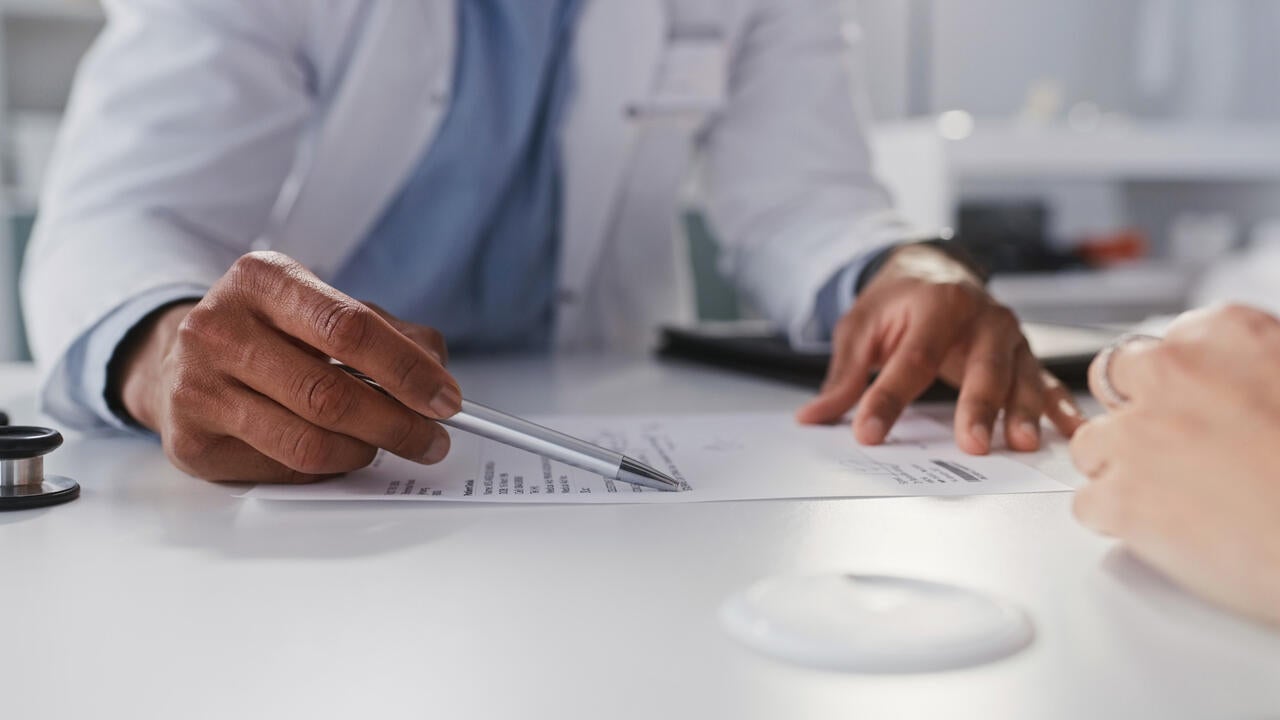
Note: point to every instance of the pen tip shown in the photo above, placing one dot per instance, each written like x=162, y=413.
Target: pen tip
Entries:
x=637, y=473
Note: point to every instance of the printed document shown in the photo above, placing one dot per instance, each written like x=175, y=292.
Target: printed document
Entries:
x=716, y=457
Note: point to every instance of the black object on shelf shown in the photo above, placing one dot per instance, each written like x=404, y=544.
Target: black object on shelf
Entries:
x=4, y=418
x=1011, y=237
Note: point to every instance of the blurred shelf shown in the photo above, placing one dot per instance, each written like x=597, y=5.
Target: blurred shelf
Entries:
x=997, y=148
x=1129, y=284
x=86, y=10
x=1154, y=152
x=1122, y=294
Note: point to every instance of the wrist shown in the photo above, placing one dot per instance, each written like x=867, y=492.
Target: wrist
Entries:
x=930, y=262
x=934, y=260
x=136, y=369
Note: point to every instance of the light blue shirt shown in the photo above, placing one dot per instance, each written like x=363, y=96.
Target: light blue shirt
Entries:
x=469, y=246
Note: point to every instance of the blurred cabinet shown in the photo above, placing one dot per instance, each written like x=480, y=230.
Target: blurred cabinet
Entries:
x=1140, y=174
x=41, y=42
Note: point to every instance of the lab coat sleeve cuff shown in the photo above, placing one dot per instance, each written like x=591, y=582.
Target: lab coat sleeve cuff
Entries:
x=837, y=297
x=84, y=379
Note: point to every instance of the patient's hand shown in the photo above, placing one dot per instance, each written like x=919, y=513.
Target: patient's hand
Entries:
x=924, y=317
x=1187, y=471
x=239, y=386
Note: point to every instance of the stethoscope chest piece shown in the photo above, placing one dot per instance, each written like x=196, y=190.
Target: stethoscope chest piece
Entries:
x=23, y=483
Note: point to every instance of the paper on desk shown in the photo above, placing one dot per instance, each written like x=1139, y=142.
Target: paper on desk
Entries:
x=718, y=457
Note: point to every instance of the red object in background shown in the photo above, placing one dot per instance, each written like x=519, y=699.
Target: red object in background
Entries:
x=1117, y=248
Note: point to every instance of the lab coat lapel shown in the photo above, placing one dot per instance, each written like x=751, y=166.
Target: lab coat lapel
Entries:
x=386, y=110
x=617, y=50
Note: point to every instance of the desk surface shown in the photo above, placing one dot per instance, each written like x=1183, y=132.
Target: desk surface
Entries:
x=158, y=596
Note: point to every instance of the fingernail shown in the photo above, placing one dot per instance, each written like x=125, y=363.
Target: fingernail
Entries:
x=874, y=429
x=981, y=434
x=1066, y=408
x=436, y=451
x=447, y=402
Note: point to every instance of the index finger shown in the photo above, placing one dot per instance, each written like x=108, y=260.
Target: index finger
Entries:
x=911, y=369
x=294, y=300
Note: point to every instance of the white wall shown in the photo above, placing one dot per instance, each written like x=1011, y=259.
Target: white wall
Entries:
x=983, y=55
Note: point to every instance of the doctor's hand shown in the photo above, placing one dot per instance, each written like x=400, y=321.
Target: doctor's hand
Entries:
x=239, y=386
x=1183, y=468
x=926, y=316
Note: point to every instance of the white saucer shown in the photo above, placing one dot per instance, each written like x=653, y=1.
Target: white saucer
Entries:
x=874, y=623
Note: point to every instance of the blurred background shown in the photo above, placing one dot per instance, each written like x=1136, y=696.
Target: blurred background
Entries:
x=1100, y=155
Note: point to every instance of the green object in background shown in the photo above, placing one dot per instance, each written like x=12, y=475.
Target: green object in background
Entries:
x=20, y=229
x=717, y=298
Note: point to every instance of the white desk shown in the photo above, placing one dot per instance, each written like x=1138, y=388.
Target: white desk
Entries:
x=158, y=596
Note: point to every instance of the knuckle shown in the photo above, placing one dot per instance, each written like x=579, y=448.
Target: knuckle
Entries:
x=1085, y=445
x=920, y=360
x=405, y=367
x=1028, y=408
x=304, y=449
x=254, y=357
x=406, y=438
x=435, y=339
x=886, y=400
x=981, y=407
x=1170, y=362
x=324, y=396
x=343, y=325
x=1029, y=400
x=1250, y=320
x=241, y=420
x=1004, y=319
x=845, y=332
x=187, y=449
x=377, y=308
x=260, y=263
x=200, y=326
x=1083, y=440
x=1172, y=425
x=433, y=336
x=991, y=363
x=847, y=325
x=256, y=274
x=1237, y=313
x=187, y=395
x=1022, y=349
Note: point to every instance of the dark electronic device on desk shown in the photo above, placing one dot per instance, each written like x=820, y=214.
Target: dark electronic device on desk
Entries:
x=759, y=349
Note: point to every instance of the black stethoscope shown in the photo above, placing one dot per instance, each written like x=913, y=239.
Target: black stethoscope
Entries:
x=23, y=484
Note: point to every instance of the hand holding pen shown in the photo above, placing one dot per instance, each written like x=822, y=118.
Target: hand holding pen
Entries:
x=239, y=385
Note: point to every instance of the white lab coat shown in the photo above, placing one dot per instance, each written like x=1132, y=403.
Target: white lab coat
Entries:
x=201, y=129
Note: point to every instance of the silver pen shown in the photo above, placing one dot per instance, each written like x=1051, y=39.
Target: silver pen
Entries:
x=520, y=433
